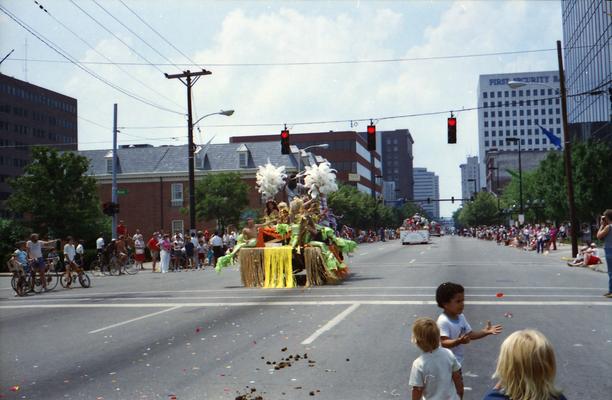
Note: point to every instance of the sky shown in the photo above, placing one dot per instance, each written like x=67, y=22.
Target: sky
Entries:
x=229, y=37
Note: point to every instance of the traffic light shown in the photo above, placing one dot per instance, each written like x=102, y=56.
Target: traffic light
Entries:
x=452, y=130
x=285, y=145
x=428, y=200
x=453, y=200
x=371, y=137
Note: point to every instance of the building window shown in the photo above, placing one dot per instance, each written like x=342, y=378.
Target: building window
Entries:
x=507, y=113
x=486, y=143
x=177, y=195
x=528, y=131
x=109, y=165
x=243, y=159
x=499, y=94
x=493, y=133
x=529, y=141
x=486, y=133
x=549, y=92
x=506, y=94
x=486, y=124
x=177, y=226
x=537, y=141
x=520, y=92
x=543, y=140
x=528, y=92
x=493, y=143
x=492, y=124
x=513, y=94
x=485, y=104
x=484, y=95
x=492, y=95
x=513, y=122
x=486, y=114
x=499, y=114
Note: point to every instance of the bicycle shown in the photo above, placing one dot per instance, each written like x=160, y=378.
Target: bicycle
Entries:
x=51, y=272
x=99, y=266
x=19, y=282
x=128, y=267
x=76, y=273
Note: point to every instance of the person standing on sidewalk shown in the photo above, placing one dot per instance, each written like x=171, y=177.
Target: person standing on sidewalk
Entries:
x=153, y=245
x=604, y=234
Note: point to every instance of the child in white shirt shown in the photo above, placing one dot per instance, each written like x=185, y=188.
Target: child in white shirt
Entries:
x=435, y=374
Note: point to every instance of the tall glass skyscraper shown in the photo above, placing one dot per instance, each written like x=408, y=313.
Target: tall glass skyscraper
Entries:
x=587, y=34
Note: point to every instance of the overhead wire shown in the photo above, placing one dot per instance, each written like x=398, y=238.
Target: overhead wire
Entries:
x=116, y=36
x=158, y=34
x=68, y=57
x=44, y=9
x=135, y=34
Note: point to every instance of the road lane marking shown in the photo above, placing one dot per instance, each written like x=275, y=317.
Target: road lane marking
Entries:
x=135, y=319
x=330, y=324
x=411, y=261
x=363, y=254
x=422, y=252
x=323, y=296
x=308, y=303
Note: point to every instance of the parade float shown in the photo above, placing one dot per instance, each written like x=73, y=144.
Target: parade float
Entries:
x=292, y=237
x=415, y=230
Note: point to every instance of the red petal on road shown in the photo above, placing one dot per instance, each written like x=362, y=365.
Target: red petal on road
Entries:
x=500, y=294
x=14, y=388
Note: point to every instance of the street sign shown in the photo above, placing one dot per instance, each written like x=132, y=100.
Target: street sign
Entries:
x=354, y=177
x=122, y=192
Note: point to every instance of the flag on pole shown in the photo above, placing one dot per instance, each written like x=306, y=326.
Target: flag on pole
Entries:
x=556, y=140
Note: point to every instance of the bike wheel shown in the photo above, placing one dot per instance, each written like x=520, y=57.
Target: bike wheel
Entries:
x=22, y=287
x=131, y=269
x=84, y=280
x=65, y=280
x=14, y=281
x=114, y=269
x=37, y=285
x=52, y=280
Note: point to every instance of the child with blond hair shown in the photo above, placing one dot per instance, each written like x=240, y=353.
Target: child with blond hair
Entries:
x=526, y=369
x=435, y=374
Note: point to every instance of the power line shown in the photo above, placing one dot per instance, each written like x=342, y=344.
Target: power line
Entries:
x=68, y=57
x=116, y=37
x=314, y=63
x=158, y=34
x=41, y=7
x=135, y=34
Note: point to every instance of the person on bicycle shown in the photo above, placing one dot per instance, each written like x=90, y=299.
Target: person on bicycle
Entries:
x=69, y=260
x=35, y=246
x=20, y=258
x=100, y=244
x=121, y=249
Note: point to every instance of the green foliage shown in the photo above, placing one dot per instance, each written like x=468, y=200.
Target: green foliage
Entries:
x=360, y=210
x=10, y=232
x=546, y=186
x=481, y=211
x=222, y=197
x=57, y=197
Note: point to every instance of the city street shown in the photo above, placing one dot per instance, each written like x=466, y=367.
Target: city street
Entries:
x=199, y=335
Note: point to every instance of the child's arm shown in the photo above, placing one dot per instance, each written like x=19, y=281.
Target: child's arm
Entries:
x=417, y=393
x=458, y=383
x=450, y=343
x=488, y=330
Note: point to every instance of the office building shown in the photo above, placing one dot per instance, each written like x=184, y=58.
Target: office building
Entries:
x=347, y=152
x=427, y=186
x=396, y=153
x=31, y=115
x=587, y=42
x=470, y=178
x=522, y=112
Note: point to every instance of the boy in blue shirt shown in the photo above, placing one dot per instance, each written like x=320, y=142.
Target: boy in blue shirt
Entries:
x=20, y=256
x=455, y=330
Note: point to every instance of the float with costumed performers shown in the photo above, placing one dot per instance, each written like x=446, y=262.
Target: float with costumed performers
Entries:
x=292, y=237
x=415, y=230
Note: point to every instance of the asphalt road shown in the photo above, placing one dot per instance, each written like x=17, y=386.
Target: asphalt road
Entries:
x=198, y=335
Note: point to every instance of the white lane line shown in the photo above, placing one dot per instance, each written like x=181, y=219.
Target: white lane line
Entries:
x=134, y=319
x=308, y=303
x=325, y=296
x=321, y=288
x=330, y=324
x=363, y=254
x=411, y=261
x=422, y=252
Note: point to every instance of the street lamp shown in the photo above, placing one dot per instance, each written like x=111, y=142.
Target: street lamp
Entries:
x=567, y=148
x=496, y=191
x=517, y=140
x=191, y=148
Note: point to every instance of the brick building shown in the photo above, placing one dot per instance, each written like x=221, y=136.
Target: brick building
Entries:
x=31, y=115
x=347, y=153
x=156, y=179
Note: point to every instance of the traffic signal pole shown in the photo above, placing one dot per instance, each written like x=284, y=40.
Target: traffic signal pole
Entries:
x=114, y=185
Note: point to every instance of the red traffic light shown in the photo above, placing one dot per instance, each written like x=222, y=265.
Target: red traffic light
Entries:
x=285, y=145
x=452, y=121
x=371, y=137
x=284, y=134
x=371, y=129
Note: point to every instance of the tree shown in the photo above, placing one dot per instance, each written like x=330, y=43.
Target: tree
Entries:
x=57, y=196
x=221, y=196
x=481, y=211
x=11, y=231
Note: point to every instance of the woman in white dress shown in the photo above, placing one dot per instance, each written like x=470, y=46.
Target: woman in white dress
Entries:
x=165, y=248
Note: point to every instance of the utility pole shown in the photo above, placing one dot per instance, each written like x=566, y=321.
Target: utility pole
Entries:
x=189, y=79
x=567, y=152
x=114, y=185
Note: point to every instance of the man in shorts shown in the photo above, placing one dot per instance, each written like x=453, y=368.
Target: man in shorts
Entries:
x=34, y=247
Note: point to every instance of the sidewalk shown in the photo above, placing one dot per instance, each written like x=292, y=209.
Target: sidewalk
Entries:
x=564, y=252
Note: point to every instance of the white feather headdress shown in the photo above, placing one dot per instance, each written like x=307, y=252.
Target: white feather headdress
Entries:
x=320, y=179
x=270, y=179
